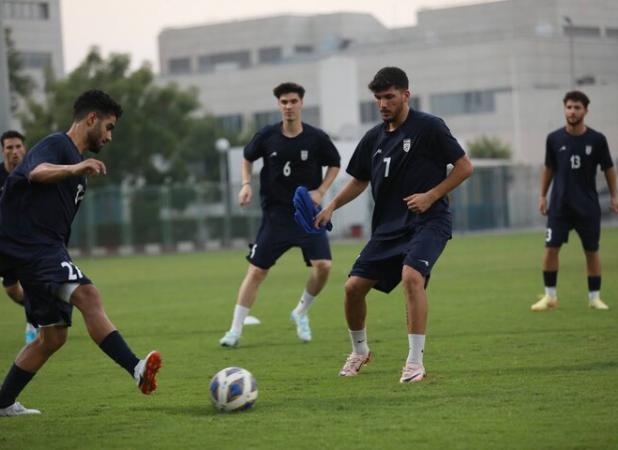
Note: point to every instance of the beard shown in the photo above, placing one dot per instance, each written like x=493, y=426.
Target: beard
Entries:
x=94, y=142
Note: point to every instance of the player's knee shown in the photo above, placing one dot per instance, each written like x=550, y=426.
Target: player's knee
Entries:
x=412, y=278
x=86, y=298
x=322, y=267
x=354, y=289
x=15, y=292
x=256, y=274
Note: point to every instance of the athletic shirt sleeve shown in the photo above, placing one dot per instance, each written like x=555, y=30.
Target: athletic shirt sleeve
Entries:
x=360, y=163
x=605, y=158
x=446, y=142
x=550, y=157
x=54, y=152
x=254, y=150
x=329, y=156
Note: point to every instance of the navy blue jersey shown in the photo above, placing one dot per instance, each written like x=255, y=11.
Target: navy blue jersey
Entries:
x=574, y=161
x=411, y=159
x=290, y=162
x=4, y=174
x=35, y=214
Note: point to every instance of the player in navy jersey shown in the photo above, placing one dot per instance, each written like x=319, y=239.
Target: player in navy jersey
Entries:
x=13, y=151
x=572, y=155
x=405, y=159
x=40, y=199
x=293, y=154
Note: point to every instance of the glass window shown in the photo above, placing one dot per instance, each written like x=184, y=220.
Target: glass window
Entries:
x=611, y=33
x=580, y=31
x=264, y=118
x=25, y=10
x=231, y=123
x=470, y=102
x=270, y=54
x=179, y=65
x=311, y=115
x=35, y=60
x=303, y=49
x=232, y=59
x=370, y=114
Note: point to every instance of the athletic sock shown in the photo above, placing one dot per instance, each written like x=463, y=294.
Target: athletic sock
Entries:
x=550, y=279
x=304, y=303
x=359, y=342
x=416, y=345
x=594, y=288
x=117, y=349
x=14, y=382
x=240, y=314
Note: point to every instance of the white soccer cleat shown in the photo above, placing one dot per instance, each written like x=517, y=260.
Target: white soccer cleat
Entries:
x=412, y=373
x=17, y=409
x=230, y=339
x=354, y=363
x=302, y=326
x=599, y=304
x=146, y=372
x=545, y=303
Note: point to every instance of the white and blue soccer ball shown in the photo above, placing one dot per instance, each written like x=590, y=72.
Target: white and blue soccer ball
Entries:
x=233, y=389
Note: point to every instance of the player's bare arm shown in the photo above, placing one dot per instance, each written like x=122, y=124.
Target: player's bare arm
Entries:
x=546, y=176
x=610, y=177
x=350, y=191
x=421, y=202
x=318, y=194
x=245, y=193
x=53, y=173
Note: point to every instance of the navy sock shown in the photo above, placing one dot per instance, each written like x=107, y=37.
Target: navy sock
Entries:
x=116, y=348
x=594, y=284
x=550, y=279
x=14, y=382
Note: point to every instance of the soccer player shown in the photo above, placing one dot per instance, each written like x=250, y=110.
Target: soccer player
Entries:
x=41, y=197
x=405, y=159
x=293, y=154
x=13, y=151
x=572, y=154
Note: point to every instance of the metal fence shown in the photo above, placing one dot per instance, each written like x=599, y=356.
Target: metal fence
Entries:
x=192, y=217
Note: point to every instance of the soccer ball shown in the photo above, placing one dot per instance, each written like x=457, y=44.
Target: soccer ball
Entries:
x=233, y=389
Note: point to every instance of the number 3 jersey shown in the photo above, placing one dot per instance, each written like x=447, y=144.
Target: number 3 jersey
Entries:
x=409, y=160
x=290, y=162
x=40, y=214
x=574, y=161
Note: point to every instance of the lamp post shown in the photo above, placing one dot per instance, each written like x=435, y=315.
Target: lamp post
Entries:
x=223, y=145
x=569, y=30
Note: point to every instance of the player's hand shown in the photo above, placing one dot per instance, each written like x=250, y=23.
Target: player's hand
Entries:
x=419, y=203
x=245, y=194
x=316, y=196
x=613, y=204
x=324, y=216
x=543, y=205
x=91, y=167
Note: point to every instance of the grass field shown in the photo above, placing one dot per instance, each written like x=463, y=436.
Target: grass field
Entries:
x=499, y=376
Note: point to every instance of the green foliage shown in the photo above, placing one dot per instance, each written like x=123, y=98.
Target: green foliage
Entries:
x=158, y=121
x=488, y=147
x=20, y=84
x=499, y=376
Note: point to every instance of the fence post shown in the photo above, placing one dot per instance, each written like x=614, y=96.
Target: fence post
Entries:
x=165, y=216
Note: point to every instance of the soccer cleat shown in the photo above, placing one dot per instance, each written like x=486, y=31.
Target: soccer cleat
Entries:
x=597, y=303
x=354, y=363
x=412, y=373
x=545, y=302
x=230, y=339
x=146, y=372
x=302, y=326
x=17, y=409
x=32, y=333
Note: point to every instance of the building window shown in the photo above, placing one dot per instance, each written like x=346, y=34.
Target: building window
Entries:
x=26, y=10
x=303, y=49
x=580, y=31
x=370, y=113
x=311, y=115
x=236, y=60
x=35, y=60
x=204, y=64
x=471, y=102
x=230, y=123
x=611, y=33
x=179, y=65
x=264, y=118
x=270, y=55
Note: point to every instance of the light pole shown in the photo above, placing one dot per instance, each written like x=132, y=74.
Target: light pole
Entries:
x=223, y=145
x=569, y=30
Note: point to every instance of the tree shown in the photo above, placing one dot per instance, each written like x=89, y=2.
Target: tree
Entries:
x=157, y=135
x=20, y=85
x=489, y=147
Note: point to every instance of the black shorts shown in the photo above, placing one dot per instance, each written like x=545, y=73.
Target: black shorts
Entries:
x=383, y=260
x=44, y=277
x=278, y=233
x=9, y=278
x=588, y=229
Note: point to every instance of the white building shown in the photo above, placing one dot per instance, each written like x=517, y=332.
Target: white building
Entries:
x=498, y=69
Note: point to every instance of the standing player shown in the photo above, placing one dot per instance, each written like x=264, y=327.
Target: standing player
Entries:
x=405, y=159
x=41, y=197
x=572, y=154
x=13, y=151
x=293, y=153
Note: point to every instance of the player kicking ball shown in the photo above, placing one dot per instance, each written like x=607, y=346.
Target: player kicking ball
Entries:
x=40, y=200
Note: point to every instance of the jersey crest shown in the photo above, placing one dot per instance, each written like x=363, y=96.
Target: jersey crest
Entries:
x=304, y=154
x=588, y=149
x=407, y=144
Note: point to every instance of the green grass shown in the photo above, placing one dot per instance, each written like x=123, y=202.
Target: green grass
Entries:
x=499, y=376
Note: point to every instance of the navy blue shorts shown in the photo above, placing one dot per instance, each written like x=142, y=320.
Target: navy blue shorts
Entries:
x=44, y=276
x=278, y=233
x=9, y=278
x=384, y=260
x=588, y=229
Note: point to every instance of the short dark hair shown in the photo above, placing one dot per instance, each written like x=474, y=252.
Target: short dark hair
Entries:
x=289, y=87
x=576, y=96
x=388, y=77
x=97, y=101
x=11, y=134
